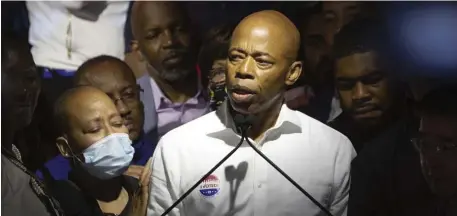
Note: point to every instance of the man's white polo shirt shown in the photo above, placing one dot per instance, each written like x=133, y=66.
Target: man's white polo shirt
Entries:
x=317, y=157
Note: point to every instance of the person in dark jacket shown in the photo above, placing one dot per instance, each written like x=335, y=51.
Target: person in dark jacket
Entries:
x=437, y=144
x=386, y=177
x=22, y=192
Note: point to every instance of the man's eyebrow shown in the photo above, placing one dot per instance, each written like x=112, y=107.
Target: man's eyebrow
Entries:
x=256, y=53
x=373, y=73
x=345, y=79
x=238, y=50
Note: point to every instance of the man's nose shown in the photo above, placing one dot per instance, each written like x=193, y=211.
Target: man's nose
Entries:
x=360, y=92
x=121, y=107
x=168, y=39
x=246, y=69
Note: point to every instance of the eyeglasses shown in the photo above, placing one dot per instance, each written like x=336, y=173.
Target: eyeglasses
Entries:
x=433, y=145
x=129, y=96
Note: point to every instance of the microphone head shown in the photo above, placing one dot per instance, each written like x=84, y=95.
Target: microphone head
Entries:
x=243, y=122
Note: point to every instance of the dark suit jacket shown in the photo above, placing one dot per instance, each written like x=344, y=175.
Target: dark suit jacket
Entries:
x=18, y=197
x=387, y=178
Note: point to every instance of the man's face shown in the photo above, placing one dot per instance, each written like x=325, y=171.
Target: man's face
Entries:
x=91, y=118
x=25, y=86
x=165, y=40
x=317, y=52
x=256, y=69
x=120, y=85
x=438, y=151
x=337, y=15
x=364, y=91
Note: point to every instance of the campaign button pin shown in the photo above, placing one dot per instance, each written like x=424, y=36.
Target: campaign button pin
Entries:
x=210, y=186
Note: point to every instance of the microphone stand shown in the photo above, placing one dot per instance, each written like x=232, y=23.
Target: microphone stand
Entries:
x=243, y=137
x=243, y=124
x=289, y=179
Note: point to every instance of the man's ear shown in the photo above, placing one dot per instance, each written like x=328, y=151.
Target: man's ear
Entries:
x=134, y=46
x=64, y=148
x=294, y=73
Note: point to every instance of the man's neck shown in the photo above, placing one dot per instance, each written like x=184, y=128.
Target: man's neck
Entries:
x=264, y=121
x=180, y=91
x=102, y=190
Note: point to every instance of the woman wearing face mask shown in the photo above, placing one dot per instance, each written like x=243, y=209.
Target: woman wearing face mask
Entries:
x=95, y=140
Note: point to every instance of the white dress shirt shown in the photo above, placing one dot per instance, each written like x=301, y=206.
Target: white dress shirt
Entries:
x=99, y=31
x=317, y=157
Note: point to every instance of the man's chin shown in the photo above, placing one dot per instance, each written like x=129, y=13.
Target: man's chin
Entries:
x=134, y=135
x=367, y=120
x=175, y=76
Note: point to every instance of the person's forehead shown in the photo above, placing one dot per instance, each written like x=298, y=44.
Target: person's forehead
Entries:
x=160, y=14
x=261, y=38
x=89, y=107
x=357, y=64
x=110, y=75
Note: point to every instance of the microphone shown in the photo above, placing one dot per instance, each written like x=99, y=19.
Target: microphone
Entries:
x=242, y=123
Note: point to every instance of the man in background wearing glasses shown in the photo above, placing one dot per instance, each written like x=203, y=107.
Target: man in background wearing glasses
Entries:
x=437, y=145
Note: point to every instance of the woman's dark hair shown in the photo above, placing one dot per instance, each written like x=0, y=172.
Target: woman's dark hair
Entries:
x=215, y=46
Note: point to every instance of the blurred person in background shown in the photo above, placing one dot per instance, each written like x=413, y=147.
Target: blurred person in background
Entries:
x=22, y=192
x=315, y=92
x=386, y=177
x=96, y=141
x=64, y=34
x=173, y=94
x=437, y=145
x=212, y=61
x=337, y=14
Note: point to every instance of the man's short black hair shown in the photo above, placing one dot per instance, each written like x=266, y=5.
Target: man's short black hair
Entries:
x=359, y=36
x=81, y=71
x=440, y=101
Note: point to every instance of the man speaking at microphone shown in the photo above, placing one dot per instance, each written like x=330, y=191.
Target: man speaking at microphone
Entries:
x=262, y=62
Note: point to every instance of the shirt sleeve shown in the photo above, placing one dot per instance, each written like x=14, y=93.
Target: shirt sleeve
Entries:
x=164, y=185
x=342, y=177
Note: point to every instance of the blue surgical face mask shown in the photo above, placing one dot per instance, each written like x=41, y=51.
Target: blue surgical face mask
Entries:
x=109, y=157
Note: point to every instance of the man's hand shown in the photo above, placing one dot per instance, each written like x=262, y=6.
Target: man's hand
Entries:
x=134, y=171
x=141, y=198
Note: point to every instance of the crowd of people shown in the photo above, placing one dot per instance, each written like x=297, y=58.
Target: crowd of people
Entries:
x=97, y=123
